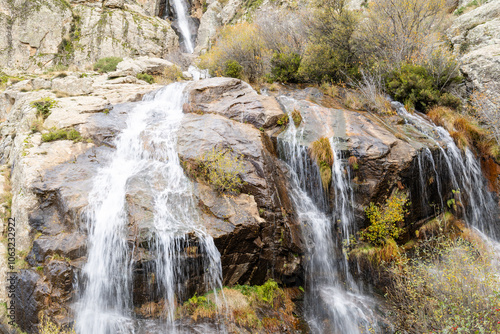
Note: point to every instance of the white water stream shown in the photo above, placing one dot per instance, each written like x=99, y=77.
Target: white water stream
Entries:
x=182, y=18
x=334, y=302
x=146, y=149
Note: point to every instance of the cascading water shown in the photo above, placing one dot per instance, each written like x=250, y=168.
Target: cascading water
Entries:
x=182, y=18
x=146, y=149
x=334, y=303
x=462, y=171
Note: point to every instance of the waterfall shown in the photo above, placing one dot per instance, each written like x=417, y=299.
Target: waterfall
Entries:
x=460, y=169
x=181, y=11
x=331, y=293
x=145, y=151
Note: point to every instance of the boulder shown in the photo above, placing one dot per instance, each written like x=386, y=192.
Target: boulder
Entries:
x=209, y=24
x=72, y=86
x=233, y=99
x=113, y=3
x=475, y=37
x=141, y=65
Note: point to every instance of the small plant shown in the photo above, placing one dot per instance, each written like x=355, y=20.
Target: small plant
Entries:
x=353, y=162
x=222, y=170
x=108, y=64
x=283, y=120
x=62, y=134
x=296, y=117
x=43, y=107
x=146, y=77
x=385, y=220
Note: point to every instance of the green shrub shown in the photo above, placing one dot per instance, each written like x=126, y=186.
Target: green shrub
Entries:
x=146, y=77
x=108, y=64
x=415, y=85
x=285, y=67
x=329, y=55
x=43, y=106
x=62, y=134
x=265, y=292
x=222, y=170
x=233, y=69
x=384, y=220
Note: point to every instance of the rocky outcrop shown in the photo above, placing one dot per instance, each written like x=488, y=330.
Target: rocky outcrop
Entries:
x=79, y=33
x=256, y=230
x=475, y=37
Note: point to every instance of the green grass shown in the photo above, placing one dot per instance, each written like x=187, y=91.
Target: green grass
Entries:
x=62, y=134
x=108, y=64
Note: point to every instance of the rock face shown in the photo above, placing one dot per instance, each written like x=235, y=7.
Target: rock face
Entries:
x=79, y=33
x=256, y=230
x=475, y=37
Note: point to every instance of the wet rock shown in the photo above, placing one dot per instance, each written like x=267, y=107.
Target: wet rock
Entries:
x=233, y=99
x=71, y=246
x=31, y=295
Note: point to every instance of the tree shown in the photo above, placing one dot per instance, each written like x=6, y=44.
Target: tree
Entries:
x=330, y=55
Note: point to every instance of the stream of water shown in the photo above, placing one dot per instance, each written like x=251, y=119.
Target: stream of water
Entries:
x=334, y=302
x=181, y=10
x=145, y=151
x=460, y=169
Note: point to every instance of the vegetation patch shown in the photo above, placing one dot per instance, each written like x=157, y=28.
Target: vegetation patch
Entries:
x=47, y=326
x=385, y=220
x=108, y=64
x=62, y=134
x=222, y=169
x=296, y=117
x=466, y=131
x=449, y=285
x=416, y=86
x=146, y=77
x=264, y=307
x=43, y=107
x=321, y=152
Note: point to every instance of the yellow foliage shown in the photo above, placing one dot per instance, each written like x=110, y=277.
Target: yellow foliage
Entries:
x=385, y=221
x=240, y=43
x=222, y=170
x=46, y=326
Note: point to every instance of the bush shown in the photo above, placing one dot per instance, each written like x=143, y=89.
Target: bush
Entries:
x=62, y=134
x=285, y=67
x=233, y=69
x=329, y=55
x=397, y=31
x=146, y=77
x=384, y=221
x=415, y=85
x=448, y=286
x=108, y=64
x=239, y=44
x=221, y=170
x=43, y=107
